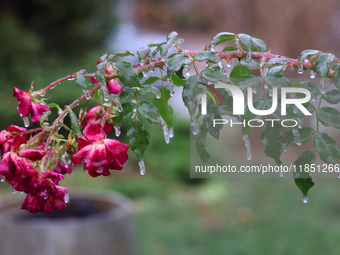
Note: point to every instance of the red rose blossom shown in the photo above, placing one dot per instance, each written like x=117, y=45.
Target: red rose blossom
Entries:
x=113, y=86
x=7, y=136
x=28, y=105
x=93, y=115
x=62, y=167
x=99, y=154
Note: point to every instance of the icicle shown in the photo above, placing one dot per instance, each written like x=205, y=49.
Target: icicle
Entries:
x=265, y=86
x=300, y=123
x=145, y=74
x=186, y=71
x=70, y=79
x=67, y=198
x=26, y=122
x=212, y=46
x=291, y=68
x=105, y=91
x=270, y=92
x=13, y=190
x=117, y=131
x=87, y=94
x=166, y=132
x=265, y=71
x=207, y=63
x=152, y=69
x=2, y=178
x=43, y=94
x=300, y=69
x=312, y=74
x=221, y=66
x=171, y=132
x=171, y=87
x=141, y=167
x=323, y=85
x=248, y=147
x=305, y=199
x=194, y=125
x=313, y=99
x=249, y=55
x=158, y=95
x=296, y=137
x=228, y=64
x=255, y=90
x=282, y=173
x=295, y=109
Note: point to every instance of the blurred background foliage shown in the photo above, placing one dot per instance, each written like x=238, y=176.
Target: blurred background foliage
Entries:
x=45, y=40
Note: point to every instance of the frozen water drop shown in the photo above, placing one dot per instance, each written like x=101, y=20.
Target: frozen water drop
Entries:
x=270, y=92
x=100, y=170
x=295, y=109
x=212, y=46
x=186, y=71
x=248, y=147
x=265, y=71
x=43, y=94
x=105, y=92
x=2, y=178
x=67, y=198
x=299, y=123
x=171, y=87
x=166, y=132
x=249, y=54
x=323, y=85
x=312, y=74
x=141, y=167
x=313, y=99
x=282, y=173
x=284, y=150
x=194, y=125
x=13, y=190
x=87, y=94
x=228, y=64
x=207, y=63
x=171, y=132
x=117, y=131
x=145, y=74
x=265, y=86
x=296, y=135
x=26, y=122
x=70, y=79
x=158, y=95
x=291, y=68
x=46, y=197
x=305, y=199
x=300, y=69
x=255, y=90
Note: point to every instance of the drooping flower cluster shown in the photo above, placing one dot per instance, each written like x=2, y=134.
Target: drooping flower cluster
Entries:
x=28, y=105
x=99, y=154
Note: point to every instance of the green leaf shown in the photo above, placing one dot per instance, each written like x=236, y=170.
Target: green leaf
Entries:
x=81, y=81
x=44, y=117
x=120, y=54
x=336, y=78
x=166, y=46
x=239, y=71
x=148, y=89
x=143, y=53
x=229, y=48
x=305, y=54
x=151, y=79
x=149, y=111
x=74, y=120
x=190, y=92
x=273, y=141
x=125, y=96
x=177, y=80
x=276, y=61
x=322, y=64
x=214, y=75
x=127, y=74
x=177, y=63
x=207, y=55
x=54, y=105
x=327, y=147
x=329, y=117
x=164, y=107
x=305, y=134
x=260, y=44
x=313, y=89
x=201, y=144
x=251, y=64
x=303, y=179
x=178, y=41
x=137, y=137
x=125, y=114
x=223, y=37
x=246, y=81
x=277, y=80
x=246, y=40
x=332, y=96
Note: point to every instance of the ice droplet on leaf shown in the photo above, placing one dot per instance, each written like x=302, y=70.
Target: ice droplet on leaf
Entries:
x=305, y=199
x=141, y=167
x=265, y=86
x=145, y=74
x=166, y=132
x=254, y=90
x=67, y=198
x=312, y=74
x=158, y=95
x=296, y=135
x=171, y=87
x=221, y=66
x=117, y=131
x=300, y=123
x=323, y=85
x=186, y=71
x=249, y=55
x=87, y=94
x=212, y=46
x=248, y=147
x=26, y=122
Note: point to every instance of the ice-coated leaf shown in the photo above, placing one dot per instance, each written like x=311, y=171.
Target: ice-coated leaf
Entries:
x=214, y=75
x=247, y=40
x=259, y=44
x=137, y=137
x=166, y=46
x=273, y=141
x=313, y=89
x=120, y=54
x=327, y=147
x=127, y=74
x=329, y=117
x=246, y=81
x=201, y=144
x=190, y=92
x=305, y=54
x=336, y=78
x=223, y=37
x=125, y=114
x=305, y=134
x=250, y=63
x=332, y=96
x=151, y=79
x=74, y=119
x=302, y=178
x=81, y=81
x=163, y=106
x=322, y=64
x=177, y=63
x=149, y=111
x=143, y=53
x=207, y=55
x=277, y=80
x=276, y=61
x=125, y=96
x=148, y=89
x=44, y=117
x=239, y=71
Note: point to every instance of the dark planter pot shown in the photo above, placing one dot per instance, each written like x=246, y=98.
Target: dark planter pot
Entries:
x=94, y=223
